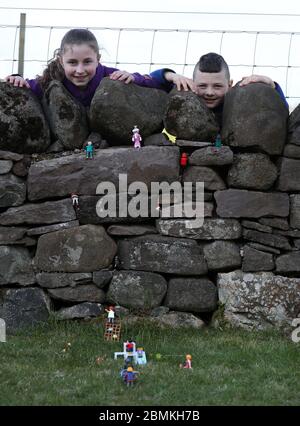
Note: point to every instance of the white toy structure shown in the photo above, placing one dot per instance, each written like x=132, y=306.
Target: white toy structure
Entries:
x=127, y=354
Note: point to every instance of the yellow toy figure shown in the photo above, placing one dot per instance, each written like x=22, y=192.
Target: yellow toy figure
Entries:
x=187, y=363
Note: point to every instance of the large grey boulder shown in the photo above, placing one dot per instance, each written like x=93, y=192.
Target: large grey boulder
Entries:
x=289, y=175
x=85, y=248
x=42, y=213
x=255, y=116
x=16, y=266
x=222, y=255
x=162, y=254
x=81, y=310
x=60, y=279
x=66, y=116
x=23, y=307
x=212, y=180
x=23, y=126
x=251, y=204
x=188, y=118
x=78, y=293
x=60, y=177
x=259, y=300
x=117, y=107
x=211, y=156
x=294, y=126
x=12, y=190
x=137, y=289
x=252, y=171
x=191, y=295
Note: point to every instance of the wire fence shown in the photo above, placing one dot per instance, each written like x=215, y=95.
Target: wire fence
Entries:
x=271, y=53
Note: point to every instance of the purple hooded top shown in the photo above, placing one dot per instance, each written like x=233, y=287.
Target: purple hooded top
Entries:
x=85, y=96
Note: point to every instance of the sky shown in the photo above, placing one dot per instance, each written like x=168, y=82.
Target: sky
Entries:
x=228, y=27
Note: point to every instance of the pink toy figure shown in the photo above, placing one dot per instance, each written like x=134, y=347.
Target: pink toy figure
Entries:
x=136, y=138
x=187, y=363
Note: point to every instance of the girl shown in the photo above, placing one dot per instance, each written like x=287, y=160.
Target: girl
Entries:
x=76, y=65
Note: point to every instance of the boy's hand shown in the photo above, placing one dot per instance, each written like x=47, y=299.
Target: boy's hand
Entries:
x=257, y=79
x=17, y=81
x=122, y=76
x=181, y=82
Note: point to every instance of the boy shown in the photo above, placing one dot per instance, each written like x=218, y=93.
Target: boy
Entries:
x=211, y=81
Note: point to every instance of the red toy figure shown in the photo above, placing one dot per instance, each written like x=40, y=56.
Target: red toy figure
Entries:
x=183, y=159
x=187, y=363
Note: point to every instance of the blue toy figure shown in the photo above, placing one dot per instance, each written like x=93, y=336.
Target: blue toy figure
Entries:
x=89, y=150
x=218, y=142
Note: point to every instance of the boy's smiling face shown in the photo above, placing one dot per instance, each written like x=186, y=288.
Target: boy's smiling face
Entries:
x=212, y=87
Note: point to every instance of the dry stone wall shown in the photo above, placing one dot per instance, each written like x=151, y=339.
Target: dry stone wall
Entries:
x=246, y=254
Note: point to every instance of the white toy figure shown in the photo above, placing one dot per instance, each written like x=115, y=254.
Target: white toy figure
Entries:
x=136, y=138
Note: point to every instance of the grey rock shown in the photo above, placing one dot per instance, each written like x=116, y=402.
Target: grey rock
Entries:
x=80, y=293
x=289, y=175
x=16, y=266
x=13, y=156
x=51, y=228
x=66, y=116
x=275, y=222
x=295, y=211
x=255, y=116
x=23, y=307
x=82, y=249
x=162, y=254
x=292, y=151
x=257, y=226
x=288, y=263
x=37, y=214
x=191, y=295
x=188, y=118
x=137, y=289
x=158, y=139
x=294, y=126
x=222, y=255
x=211, y=156
x=131, y=230
x=257, y=260
x=62, y=176
x=251, y=204
x=102, y=278
x=259, y=300
x=5, y=166
x=59, y=279
x=12, y=190
x=175, y=319
x=262, y=247
x=268, y=239
x=159, y=311
x=212, y=229
x=116, y=107
x=11, y=234
x=20, y=168
x=212, y=181
x=23, y=126
x=252, y=171
x=81, y=310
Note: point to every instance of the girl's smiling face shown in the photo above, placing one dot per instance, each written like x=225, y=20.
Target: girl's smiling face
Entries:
x=80, y=62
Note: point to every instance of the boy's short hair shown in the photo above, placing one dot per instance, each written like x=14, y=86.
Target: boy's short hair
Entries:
x=212, y=63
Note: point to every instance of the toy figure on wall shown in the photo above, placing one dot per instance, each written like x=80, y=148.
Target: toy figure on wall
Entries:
x=136, y=138
x=89, y=150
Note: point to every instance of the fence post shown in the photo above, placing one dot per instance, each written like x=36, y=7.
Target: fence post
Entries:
x=22, y=43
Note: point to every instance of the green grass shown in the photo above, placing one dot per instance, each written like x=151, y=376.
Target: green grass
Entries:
x=230, y=367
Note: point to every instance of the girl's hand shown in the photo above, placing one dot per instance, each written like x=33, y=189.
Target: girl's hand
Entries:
x=17, y=81
x=257, y=79
x=181, y=82
x=122, y=76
